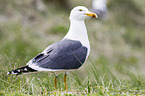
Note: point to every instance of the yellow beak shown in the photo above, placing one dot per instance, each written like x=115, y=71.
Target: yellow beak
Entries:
x=91, y=14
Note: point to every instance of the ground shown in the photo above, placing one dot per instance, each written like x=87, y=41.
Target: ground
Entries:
x=116, y=62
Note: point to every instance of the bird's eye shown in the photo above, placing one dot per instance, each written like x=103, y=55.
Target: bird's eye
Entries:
x=80, y=10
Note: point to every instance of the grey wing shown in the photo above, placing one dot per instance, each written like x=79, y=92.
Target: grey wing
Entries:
x=65, y=54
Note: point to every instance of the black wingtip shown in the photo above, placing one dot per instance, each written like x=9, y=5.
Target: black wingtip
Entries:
x=9, y=73
x=25, y=69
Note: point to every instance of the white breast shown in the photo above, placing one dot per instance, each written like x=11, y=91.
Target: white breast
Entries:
x=78, y=32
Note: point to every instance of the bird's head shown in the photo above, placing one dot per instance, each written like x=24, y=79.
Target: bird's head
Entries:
x=80, y=13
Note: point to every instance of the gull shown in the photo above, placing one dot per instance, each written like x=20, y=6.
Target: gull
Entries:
x=68, y=54
x=100, y=8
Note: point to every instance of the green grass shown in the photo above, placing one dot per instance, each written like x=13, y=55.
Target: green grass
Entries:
x=95, y=82
x=116, y=63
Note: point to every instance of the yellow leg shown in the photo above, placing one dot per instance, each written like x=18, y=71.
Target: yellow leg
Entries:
x=65, y=81
x=55, y=82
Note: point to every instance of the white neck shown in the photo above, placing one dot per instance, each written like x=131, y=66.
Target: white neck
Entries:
x=78, y=32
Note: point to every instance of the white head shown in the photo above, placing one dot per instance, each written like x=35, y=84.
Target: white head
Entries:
x=80, y=13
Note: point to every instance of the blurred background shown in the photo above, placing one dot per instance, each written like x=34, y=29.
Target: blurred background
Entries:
x=117, y=41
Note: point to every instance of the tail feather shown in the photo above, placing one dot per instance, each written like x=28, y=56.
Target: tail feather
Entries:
x=18, y=71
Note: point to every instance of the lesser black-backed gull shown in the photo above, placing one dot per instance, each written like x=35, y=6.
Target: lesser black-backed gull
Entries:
x=67, y=54
x=100, y=8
